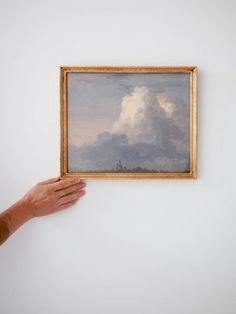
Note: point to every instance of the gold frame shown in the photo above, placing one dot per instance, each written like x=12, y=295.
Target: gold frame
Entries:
x=192, y=70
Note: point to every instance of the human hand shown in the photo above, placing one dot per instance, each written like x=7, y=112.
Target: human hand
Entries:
x=52, y=195
x=43, y=199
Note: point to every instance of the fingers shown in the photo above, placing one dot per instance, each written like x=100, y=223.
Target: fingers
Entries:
x=66, y=205
x=62, y=184
x=52, y=180
x=71, y=197
x=71, y=189
x=70, y=203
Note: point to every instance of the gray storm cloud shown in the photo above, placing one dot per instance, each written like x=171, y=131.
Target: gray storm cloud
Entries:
x=151, y=133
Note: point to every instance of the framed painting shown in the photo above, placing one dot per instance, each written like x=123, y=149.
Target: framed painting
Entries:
x=128, y=122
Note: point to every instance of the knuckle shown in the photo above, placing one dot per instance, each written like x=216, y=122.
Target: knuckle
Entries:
x=71, y=189
x=65, y=199
x=63, y=184
x=70, y=198
x=73, y=181
x=74, y=197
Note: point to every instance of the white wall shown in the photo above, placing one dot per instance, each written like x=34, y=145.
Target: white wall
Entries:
x=130, y=247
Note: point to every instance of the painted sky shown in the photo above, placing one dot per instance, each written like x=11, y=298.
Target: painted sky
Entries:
x=140, y=119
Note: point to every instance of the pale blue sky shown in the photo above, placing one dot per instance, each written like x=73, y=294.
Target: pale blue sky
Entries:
x=94, y=99
x=101, y=94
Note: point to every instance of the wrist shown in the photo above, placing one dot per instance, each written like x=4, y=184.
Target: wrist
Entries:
x=24, y=205
x=18, y=214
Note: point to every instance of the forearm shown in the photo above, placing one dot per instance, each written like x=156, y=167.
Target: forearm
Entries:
x=15, y=216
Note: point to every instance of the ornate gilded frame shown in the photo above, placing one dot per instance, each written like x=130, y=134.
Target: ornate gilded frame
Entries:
x=192, y=70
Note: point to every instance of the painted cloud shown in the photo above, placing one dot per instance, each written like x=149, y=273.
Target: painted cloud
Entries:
x=150, y=134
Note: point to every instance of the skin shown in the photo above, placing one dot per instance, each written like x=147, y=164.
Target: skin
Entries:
x=44, y=198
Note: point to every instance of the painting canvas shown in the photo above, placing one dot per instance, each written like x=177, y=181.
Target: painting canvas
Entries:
x=128, y=122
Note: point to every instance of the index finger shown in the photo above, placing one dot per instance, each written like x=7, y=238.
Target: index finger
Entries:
x=65, y=183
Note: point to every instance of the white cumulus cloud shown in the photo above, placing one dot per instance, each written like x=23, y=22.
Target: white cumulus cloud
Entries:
x=142, y=114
